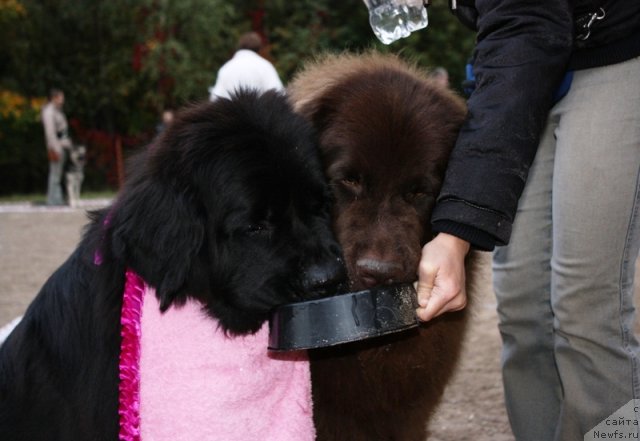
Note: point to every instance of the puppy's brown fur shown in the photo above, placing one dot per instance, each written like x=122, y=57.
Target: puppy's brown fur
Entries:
x=386, y=132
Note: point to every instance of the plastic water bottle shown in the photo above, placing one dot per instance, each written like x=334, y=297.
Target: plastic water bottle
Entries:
x=394, y=19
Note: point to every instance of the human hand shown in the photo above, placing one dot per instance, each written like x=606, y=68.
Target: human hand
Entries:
x=441, y=276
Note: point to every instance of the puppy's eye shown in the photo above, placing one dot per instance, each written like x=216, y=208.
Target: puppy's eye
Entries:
x=260, y=228
x=352, y=183
x=416, y=195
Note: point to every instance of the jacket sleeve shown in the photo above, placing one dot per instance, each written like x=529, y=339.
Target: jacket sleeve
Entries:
x=522, y=51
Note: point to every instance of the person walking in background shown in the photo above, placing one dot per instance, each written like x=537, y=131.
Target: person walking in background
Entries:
x=247, y=69
x=440, y=76
x=568, y=240
x=57, y=142
x=165, y=120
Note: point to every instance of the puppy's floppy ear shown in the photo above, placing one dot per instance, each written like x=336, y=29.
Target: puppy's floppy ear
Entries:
x=157, y=229
x=319, y=112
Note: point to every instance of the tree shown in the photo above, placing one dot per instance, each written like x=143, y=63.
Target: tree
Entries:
x=121, y=62
x=302, y=29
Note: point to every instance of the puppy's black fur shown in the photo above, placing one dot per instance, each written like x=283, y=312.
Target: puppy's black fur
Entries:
x=229, y=206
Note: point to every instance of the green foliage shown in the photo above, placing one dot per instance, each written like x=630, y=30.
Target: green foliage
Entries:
x=445, y=42
x=187, y=40
x=302, y=29
x=121, y=62
x=23, y=161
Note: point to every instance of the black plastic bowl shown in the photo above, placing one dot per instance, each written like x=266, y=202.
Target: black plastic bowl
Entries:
x=343, y=318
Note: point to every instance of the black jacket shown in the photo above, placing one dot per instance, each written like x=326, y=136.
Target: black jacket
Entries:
x=524, y=48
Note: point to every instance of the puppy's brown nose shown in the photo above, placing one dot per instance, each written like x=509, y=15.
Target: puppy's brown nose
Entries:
x=372, y=272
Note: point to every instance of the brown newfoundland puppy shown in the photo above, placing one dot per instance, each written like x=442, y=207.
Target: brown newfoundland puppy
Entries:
x=386, y=132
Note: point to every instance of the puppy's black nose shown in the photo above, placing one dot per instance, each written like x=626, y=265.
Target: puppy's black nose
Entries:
x=325, y=279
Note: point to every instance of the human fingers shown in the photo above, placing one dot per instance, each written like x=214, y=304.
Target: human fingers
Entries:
x=441, y=277
x=442, y=301
x=426, y=282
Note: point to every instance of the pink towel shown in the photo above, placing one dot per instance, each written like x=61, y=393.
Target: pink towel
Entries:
x=198, y=384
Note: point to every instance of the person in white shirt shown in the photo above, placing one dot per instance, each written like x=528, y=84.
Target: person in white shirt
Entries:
x=246, y=69
x=57, y=140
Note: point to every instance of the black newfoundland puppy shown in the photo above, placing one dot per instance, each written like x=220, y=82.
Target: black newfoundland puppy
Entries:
x=229, y=207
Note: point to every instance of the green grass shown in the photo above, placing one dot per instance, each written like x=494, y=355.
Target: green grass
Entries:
x=40, y=198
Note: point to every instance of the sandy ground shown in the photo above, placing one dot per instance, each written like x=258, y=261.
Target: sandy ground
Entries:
x=35, y=241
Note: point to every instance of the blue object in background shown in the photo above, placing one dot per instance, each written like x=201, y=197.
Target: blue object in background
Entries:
x=564, y=87
x=469, y=83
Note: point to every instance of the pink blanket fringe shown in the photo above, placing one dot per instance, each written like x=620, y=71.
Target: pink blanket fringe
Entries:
x=129, y=386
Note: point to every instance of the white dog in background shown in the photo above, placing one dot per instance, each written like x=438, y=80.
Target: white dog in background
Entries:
x=75, y=173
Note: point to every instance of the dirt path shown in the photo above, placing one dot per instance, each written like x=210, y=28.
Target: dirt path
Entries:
x=473, y=407
x=32, y=246
x=34, y=242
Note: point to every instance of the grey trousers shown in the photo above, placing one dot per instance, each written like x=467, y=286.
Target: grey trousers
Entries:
x=564, y=284
x=54, y=185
